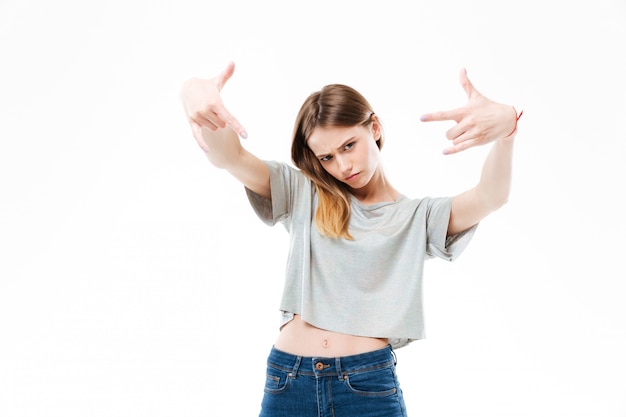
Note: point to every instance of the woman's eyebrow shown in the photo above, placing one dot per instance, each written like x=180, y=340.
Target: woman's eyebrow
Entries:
x=343, y=144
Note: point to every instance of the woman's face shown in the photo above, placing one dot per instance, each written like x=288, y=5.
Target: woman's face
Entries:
x=349, y=154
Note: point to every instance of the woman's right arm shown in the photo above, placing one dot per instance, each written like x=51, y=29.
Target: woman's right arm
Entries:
x=217, y=132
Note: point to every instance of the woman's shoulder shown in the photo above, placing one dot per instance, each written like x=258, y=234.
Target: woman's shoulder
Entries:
x=421, y=206
x=285, y=176
x=283, y=167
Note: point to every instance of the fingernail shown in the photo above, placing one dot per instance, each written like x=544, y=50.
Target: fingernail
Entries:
x=244, y=134
x=423, y=118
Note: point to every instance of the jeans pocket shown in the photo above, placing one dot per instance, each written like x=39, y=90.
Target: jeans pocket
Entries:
x=373, y=383
x=276, y=380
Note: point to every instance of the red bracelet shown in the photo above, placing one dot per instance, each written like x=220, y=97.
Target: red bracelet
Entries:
x=516, y=119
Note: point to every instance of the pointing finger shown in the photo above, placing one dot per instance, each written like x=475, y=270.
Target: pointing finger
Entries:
x=455, y=115
x=233, y=123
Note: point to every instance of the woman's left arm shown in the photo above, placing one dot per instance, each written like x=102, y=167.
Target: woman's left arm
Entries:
x=479, y=122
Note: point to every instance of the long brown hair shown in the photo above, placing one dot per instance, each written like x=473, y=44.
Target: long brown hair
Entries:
x=335, y=105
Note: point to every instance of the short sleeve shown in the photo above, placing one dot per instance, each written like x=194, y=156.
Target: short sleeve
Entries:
x=439, y=244
x=285, y=184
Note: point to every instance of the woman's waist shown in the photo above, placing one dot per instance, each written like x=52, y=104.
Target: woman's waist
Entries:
x=300, y=338
x=329, y=366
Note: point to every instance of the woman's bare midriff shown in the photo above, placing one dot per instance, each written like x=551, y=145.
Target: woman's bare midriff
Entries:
x=300, y=338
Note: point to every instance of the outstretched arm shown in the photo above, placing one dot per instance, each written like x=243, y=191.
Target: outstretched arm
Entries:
x=217, y=131
x=479, y=122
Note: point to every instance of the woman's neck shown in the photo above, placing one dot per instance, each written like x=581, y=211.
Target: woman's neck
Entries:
x=378, y=190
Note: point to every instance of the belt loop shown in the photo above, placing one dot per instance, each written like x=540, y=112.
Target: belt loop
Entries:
x=296, y=366
x=395, y=358
x=338, y=366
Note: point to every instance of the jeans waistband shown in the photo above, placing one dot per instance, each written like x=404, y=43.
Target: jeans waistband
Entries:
x=325, y=366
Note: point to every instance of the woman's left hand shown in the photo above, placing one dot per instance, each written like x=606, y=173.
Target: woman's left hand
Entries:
x=479, y=122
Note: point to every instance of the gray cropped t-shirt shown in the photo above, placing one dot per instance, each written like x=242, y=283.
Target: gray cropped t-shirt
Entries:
x=372, y=285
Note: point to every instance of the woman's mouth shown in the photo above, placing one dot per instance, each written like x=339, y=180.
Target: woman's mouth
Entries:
x=352, y=177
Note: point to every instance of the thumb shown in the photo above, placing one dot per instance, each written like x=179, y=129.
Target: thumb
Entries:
x=467, y=85
x=225, y=75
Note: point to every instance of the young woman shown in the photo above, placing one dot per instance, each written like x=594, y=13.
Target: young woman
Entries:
x=357, y=245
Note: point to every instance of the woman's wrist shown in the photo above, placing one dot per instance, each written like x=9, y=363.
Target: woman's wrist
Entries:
x=517, y=117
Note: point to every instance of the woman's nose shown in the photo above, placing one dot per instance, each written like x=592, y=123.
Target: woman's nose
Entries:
x=344, y=164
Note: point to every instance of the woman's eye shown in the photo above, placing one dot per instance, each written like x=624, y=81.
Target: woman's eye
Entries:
x=348, y=146
x=325, y=158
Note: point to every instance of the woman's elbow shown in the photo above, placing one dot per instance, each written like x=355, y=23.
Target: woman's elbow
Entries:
x=498, y=202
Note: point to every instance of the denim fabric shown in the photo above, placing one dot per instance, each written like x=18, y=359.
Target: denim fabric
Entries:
x=363, y=385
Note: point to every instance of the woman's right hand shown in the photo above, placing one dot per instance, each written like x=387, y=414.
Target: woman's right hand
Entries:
x=204, y=106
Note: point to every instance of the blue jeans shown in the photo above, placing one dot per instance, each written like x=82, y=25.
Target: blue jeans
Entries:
x=363, y=385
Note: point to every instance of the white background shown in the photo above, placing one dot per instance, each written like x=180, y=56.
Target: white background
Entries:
x=135, y=279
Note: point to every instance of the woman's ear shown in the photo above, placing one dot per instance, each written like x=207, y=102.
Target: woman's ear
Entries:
x=377, y=130
x=376, y=127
